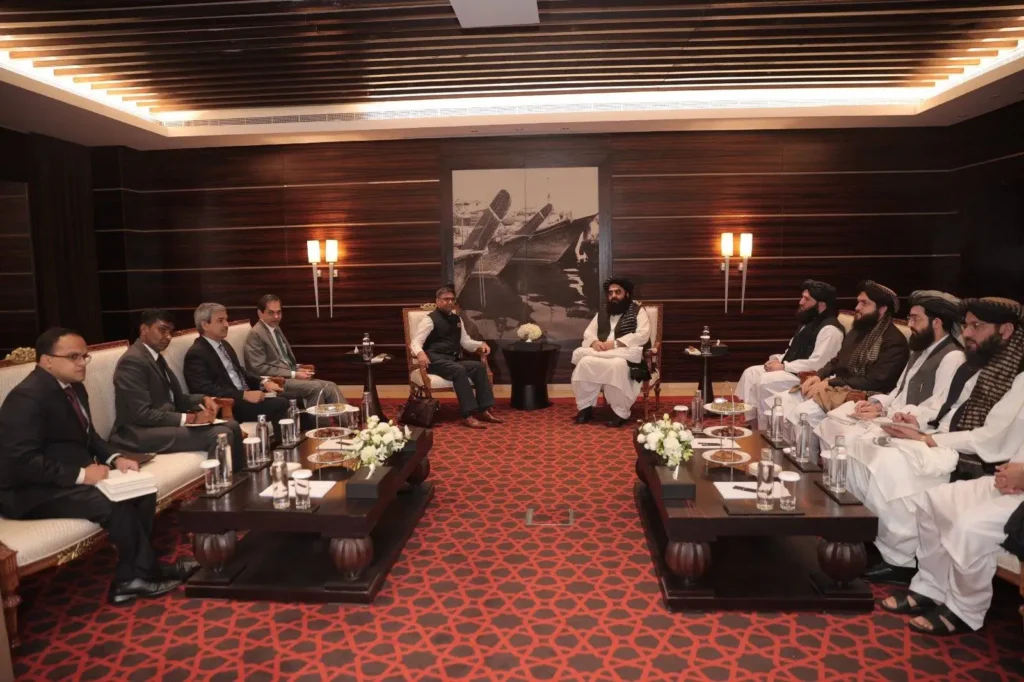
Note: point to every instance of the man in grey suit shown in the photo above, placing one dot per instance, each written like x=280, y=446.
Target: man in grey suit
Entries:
x=153, y=414
x=268, y=353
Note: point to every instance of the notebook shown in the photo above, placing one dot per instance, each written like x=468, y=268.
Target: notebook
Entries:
x=119, y=486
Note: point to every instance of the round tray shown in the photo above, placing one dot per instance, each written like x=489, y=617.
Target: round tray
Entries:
x=346, y=432
x=712, y=431
x=330, y=409
x=726, y=409
x=743, y=457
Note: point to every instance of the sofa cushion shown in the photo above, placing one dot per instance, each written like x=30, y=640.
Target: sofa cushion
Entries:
x=174, y=471
x=436, y=382
x=1009, y=562
x=35, y=540
x=12, y=376
x=175, y=355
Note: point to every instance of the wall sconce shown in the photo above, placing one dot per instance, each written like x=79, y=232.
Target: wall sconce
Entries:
x=313, y=254
x=726, y=254
x=331, y=256
x=746, y=248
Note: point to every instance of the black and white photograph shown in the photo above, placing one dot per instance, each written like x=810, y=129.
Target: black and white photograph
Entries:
x=526, y=250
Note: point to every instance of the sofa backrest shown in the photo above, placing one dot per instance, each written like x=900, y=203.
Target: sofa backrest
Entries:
x=11, y=375
x=184, y=338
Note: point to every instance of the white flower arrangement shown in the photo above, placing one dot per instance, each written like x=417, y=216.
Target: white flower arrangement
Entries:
x=670, y=440
x=377, y=442
x=529, y=332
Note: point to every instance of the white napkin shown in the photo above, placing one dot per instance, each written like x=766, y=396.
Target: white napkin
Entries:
x=728, y=490
x=317, y=489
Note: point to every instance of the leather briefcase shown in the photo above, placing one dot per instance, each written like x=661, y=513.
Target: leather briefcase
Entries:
x=420, y=412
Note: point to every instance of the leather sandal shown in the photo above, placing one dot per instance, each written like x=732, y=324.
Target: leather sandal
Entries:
x=921, y=605
x=940, y=620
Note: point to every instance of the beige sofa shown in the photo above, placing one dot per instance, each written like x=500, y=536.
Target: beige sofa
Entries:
x=28, y=547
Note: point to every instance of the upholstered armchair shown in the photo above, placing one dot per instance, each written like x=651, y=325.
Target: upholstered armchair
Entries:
x=652, y=356
x=422, y=383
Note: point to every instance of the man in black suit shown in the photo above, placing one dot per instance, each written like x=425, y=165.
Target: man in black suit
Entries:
x=52, y=459
x=153, y=413
x=212, y=368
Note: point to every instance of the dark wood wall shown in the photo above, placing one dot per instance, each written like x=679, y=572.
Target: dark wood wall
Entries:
x=18, y=320
x=175, y=228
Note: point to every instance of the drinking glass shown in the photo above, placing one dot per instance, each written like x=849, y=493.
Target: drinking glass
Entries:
x=279, y=476
x=287, y=430
x=767, y=455
x=301, y=478
x=790, y=479
x=765, y=485
x=825, y=458
x=211, y=477
x=253, y=448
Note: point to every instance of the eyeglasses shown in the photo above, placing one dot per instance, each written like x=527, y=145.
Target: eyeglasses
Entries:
x=975, y=326
x=77, y=358
x=447, y=299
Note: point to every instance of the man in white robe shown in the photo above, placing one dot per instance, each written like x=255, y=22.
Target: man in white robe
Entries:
x=935, y=355
x=815, y=343
x=872, y=358
x=611, y=356
x=980, y=417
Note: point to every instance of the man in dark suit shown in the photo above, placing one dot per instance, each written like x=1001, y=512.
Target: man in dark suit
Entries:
x=212, y=368
x=51, y=459
x=153, y=413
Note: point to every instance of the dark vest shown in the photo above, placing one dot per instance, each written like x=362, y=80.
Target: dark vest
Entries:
x=627, y=324
x=802, y=345
x=921, y=386
x=446, y=336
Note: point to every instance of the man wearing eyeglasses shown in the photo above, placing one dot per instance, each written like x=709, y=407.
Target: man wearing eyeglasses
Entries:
x=51, y=459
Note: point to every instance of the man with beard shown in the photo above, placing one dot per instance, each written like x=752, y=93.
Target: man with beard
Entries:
x=935, y=355
x=870, y=360
x=961, y=525
x=611, y=356
x=438, y=343
x=151, y=409
x=816, y=341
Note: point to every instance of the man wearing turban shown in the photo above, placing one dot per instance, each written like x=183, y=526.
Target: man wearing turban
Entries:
x=817, y=341
x=611, y=356
x=960, y=525
x=870, y=360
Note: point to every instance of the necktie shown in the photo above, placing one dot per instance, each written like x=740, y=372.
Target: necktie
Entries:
x=232, y=370
x=166, y=371
x=956, y=387
x=77, y=407
x=285, y=350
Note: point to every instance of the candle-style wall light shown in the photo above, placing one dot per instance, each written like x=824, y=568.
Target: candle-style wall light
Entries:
x=313, y=254
x=331, y=256
x=726, y=254
x=746, y=248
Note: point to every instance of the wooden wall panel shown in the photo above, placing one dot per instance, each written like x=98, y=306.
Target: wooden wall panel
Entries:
x=16, y=253
x=18, y=317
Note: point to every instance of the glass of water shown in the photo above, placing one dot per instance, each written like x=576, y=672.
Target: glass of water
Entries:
x=790, y=479
x=211, y=475
x=289, y=435
x=825, y=458
x=302, y=485
x=253, y=451
x=765, y=485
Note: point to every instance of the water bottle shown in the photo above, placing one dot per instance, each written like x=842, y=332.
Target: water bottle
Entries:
x=264, y=434
x=279, y=475
x=775, y=422
x=293, y=414
x=697, y=411
x=839, y=463
x=705, y=341
x=366, y=408
x=223, y=453
x=804, y=440
x=367, y=347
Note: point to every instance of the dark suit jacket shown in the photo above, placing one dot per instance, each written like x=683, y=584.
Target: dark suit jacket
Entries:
x=882, y=375
x=206, y=374
x=42, y=443
x=143, y=395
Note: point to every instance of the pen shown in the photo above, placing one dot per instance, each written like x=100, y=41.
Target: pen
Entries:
x=746, y=490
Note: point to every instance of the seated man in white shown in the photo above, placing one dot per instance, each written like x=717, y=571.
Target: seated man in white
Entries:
x=981, y=416
x=815, y=343
x=268, y=353
x=935, y=355
x=612, y=355
x=871, y=359
x=961, y=526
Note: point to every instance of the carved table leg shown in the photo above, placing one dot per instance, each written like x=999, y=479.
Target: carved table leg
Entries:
x=843, y=562
x=9, y=585
x=688, y=560
x=351, y=556
x=214, y=551
x=420, y=473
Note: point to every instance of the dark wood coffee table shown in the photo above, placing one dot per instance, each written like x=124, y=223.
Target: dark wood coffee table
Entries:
x=707, y=559
x=339, y=551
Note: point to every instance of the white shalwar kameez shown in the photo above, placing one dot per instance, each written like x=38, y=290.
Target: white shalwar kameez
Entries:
x=891, y=481
x=758, y=386
x=597, y=370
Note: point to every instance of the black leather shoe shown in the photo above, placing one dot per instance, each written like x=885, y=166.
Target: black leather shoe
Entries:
x=889, y=574
x=616, y=421
x=585, y=415
x=182, y=569
x=122, y=593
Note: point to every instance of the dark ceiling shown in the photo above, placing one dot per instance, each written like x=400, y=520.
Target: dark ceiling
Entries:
x=196, y=55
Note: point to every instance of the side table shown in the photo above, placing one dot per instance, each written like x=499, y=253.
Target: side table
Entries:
x=369, y=385
x=704, y=381
x=528, y=365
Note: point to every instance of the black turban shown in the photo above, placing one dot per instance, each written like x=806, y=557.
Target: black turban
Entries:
x=823, y=292
x=881, y=295
x=626, y=284
x=938, y=303
x=995, y=310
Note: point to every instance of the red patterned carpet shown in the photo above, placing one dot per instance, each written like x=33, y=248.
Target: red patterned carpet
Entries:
x=477, y=595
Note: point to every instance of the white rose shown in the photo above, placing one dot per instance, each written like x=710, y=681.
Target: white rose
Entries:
x=650, y=446
x=664, y=417
x=376, y=439
x=671, y=442
x=685, y=436
x=647, y=428
x=366, y=453
x=408, y=433
x=641, y=438
x=388, y=438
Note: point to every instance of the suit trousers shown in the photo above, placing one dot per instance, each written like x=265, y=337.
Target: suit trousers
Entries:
x=168, y=439
x=275, y=409
x=313, y=391
x=465, y=375
x=129, y=525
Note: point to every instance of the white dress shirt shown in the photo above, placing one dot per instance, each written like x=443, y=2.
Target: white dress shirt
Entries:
x=427, y=325
x=635, y=339
x=273, y=339
x=896, y=399
x=999, y=437
x=826, y=346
